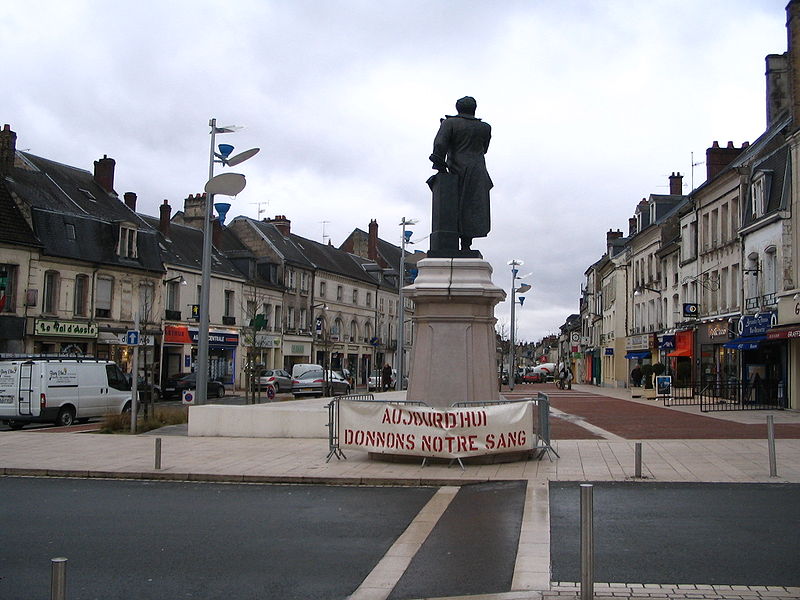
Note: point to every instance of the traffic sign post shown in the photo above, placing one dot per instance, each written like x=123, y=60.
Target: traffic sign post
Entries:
x=132, y=337
x=187, y=397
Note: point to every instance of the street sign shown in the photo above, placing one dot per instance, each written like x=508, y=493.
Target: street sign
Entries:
x=132, y=337
x=196, y=312
x=187, y=397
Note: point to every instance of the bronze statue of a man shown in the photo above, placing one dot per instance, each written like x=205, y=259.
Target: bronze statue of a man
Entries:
x=459, y=149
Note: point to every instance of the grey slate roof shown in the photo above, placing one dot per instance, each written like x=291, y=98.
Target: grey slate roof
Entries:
x=58, y=195
x=14, y=228
x=184, y=248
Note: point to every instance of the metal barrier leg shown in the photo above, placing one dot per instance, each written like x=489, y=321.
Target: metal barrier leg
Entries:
x=587, y=542
x=58, y=578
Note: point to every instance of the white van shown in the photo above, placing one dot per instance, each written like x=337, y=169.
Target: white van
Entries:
x=60, y=390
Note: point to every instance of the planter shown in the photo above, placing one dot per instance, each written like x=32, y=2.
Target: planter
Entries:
x=650, y=393
x=636, y=391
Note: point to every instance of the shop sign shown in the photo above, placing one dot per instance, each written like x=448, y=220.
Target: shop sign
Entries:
x=263, y=340
x=176, y=334
x=638, y=342
x=65, y=329
x=144, y=340
x=752, y=325
x=788, y=310
x=217, y=338
x=788, y=333
x=719, y=329
x=296, y=349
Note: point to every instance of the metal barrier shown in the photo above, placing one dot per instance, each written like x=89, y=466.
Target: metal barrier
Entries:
x=333, y=419
x=742, y=395
x=681, y=395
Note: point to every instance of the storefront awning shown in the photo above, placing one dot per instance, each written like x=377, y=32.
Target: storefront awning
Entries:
x=684, y=343
x=745, y=342
x=104, y=337
x=638, y=354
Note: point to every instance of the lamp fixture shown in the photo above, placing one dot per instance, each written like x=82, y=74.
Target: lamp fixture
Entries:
x=638, y=291
x=179, y=279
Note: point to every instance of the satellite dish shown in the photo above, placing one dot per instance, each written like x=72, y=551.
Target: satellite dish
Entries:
x=241, y=157
x=227, y=184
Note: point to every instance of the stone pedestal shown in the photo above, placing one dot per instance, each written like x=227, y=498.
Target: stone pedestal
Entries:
x=453, y=357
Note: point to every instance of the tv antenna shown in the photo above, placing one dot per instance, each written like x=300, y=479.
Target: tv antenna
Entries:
x=324, y=234
x=260, y=210
x=695, y=164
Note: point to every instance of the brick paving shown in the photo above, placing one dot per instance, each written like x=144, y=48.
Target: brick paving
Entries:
x=637, y=420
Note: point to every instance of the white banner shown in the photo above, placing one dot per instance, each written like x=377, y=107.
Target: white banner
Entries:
x=447, y=433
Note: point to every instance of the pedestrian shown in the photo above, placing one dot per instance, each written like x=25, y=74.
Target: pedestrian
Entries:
x=568, y=377
x=636, y=376
x=386, y=377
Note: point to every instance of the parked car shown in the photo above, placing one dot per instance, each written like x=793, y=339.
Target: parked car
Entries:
x=375, y=381
x=143, y=387
x=188, y=381
x=278, y=378
x=312, y=383
x=533, y=376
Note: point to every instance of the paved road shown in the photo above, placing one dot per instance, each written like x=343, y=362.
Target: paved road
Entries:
x=737, y=534
x=136, y=539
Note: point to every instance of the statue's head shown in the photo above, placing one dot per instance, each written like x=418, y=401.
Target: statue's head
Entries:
x=466, y=106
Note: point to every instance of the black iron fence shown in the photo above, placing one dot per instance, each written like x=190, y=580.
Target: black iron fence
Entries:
x=762, y=394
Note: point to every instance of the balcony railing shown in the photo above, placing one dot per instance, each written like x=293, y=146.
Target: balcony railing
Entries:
x=768, y=300
x=752, y=303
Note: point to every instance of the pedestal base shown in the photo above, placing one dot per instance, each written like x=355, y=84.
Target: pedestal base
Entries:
x=453, y=357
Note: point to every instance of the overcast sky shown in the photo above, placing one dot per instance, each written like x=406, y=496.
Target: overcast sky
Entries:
x=592, y=105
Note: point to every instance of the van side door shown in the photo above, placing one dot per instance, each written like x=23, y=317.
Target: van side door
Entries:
x=118, y=391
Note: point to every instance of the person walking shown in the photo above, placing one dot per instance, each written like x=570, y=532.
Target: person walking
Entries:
x=386, y=377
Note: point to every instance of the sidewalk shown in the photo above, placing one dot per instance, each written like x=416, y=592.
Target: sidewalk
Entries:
x=36, y=453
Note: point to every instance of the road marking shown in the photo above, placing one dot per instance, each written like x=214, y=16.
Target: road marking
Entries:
x=382, y=579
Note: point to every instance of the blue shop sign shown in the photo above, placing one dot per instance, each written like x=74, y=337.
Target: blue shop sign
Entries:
x=758, y=324
x=667, y=342
x=217, y=339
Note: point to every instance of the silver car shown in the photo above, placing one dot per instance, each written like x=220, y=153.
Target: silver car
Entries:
x=279, y=378
x=312, y=383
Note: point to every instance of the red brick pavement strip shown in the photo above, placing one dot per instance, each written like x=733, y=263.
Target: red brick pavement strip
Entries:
x=564, y=430
x=634, y=420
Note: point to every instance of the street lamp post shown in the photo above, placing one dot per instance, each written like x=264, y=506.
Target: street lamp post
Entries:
x=228, y=184
x=401, y=313
x=514, y=263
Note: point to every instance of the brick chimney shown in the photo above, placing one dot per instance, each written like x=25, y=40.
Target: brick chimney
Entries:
x=631, y=225
x=130, y=200
x=194, y=207
x=718, y=158
x=164, y=218
x=104, y=173
x=778, y=77
x=282, y=224
x=793, y=39
x=372, y=243
x=676, y=184
x=8, y=148
x=216, y=232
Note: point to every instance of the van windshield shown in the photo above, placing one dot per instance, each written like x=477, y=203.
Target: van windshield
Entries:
x=116, y=379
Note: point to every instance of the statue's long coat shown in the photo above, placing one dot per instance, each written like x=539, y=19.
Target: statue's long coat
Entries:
x=463, y=141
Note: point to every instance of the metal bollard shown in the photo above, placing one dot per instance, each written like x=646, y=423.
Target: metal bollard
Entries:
x=587, y=543
x=638, y=461
x=158, y=453
x=58, y=578
x=773, y=467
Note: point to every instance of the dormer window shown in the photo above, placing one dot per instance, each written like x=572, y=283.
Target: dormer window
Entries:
x=127, y=247
x=759, y=193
